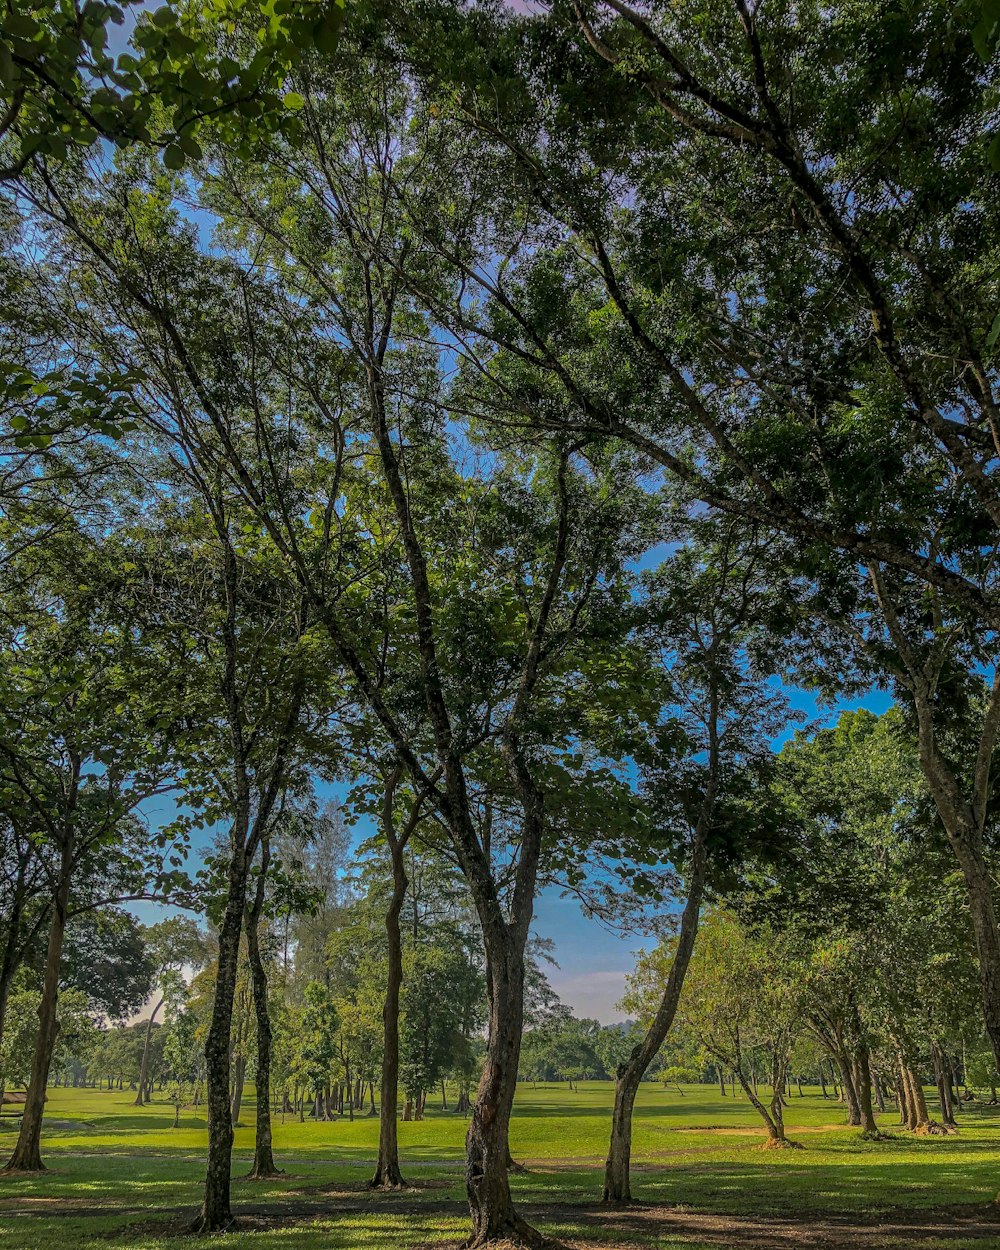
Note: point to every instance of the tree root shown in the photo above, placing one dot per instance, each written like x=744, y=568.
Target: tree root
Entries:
x=199, y=1226
x=783, y=1143
x=933, y=1129
x=513, y=1234
x=388, y=1185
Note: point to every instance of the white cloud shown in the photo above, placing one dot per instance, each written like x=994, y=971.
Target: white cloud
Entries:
x=593, y=994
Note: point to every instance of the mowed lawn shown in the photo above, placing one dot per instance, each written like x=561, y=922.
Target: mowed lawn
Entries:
x=122, y=1176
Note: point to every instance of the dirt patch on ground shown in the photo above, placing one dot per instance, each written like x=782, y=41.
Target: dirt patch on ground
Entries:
x=883, y=1232
x=631, y=1227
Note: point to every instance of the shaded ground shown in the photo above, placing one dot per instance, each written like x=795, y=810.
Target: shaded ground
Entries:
x=576, y=1226
x=123, y=1179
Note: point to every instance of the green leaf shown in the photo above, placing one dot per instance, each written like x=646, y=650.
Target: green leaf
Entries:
x=190, y=145
x=326, y=32
x=994, y=334
x=993, y=152
x=173, y=157
x=292, y=100
x=8, y=74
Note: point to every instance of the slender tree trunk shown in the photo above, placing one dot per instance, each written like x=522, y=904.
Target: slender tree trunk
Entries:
x=617, y=1186
x=722, y=1079
x=906, y=1116
x=963, y=816
x=879, y=1088
x=216, y=1211
x=27, y=1155
x=848, y=1087
x=263, y=1153
x=774, y=1124
x=869, y=1125
x=942, y=1079
x=239, y=1081
x=11, y=950
x=141, y=1095
x=387, y=1171
x=918, y=1102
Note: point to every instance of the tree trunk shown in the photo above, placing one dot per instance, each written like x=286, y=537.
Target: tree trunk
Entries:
x=918, y=1102
x=141, y=1095
x=27, y=1155
x=387, y=1171
x=906, y=1116
x=216, y=1212
x=847, y=1085
x=617, y=1186
x=963, y=816
x=263, y=1153
x=722, y=1079
x=879, y=1087
x=487, y=1144
x=868, y=1123
x=239, y=1081
x=775, y=1124
x=11, y=954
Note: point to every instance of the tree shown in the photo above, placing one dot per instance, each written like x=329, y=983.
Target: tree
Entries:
x=436, y=982
x=397, y=836
x=708, y=605
x=559, y=594
x=76, y=757
x=173, y=944
x=63, y=89
x=740, y=997
x=183, y=1058
x=835, y=332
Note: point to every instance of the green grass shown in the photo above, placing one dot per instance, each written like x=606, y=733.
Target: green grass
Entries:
x=116, y=1171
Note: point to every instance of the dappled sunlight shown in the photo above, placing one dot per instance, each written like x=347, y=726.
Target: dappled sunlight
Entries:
x=693, y=1153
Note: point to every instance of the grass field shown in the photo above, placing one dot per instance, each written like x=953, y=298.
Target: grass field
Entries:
x=120, y=1176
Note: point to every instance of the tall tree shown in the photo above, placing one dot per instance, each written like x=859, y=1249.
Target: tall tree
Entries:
x=77, y=756
x=708, y=605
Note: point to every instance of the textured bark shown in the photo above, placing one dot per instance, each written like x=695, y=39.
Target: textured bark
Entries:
x=848, y=1087
x=864, y=1084
x=387, y=1171
x=942, y=1079
x=263, y=1152
x=494, y=1217
x=878, y=1086
x=216, y=1211
x=919, y=1114
x=27, y=1154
